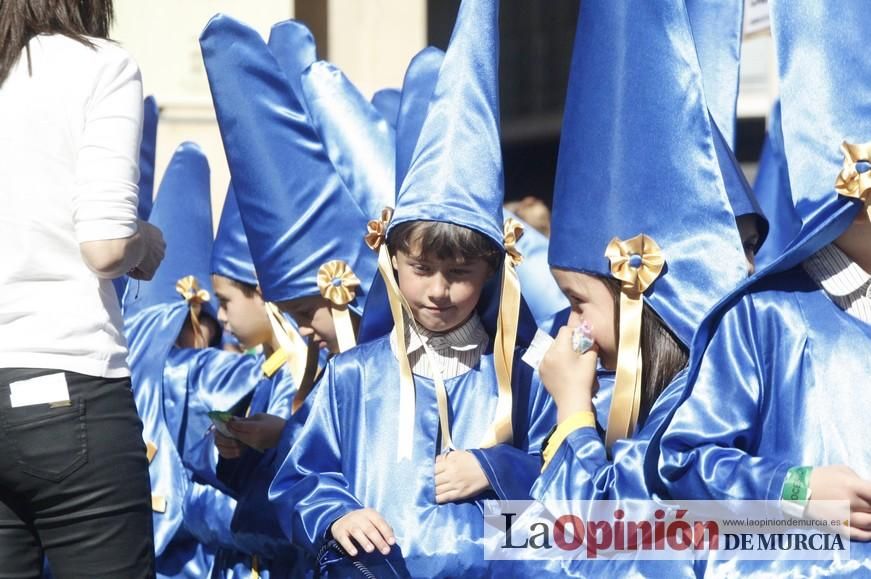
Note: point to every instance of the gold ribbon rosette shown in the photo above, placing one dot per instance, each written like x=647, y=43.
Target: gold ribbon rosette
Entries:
x=637, y=263
x=189, y=288
x=501, y=430
x=852, y=182
x=338, y=285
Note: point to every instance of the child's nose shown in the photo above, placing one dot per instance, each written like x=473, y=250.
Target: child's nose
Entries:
x=439, y=289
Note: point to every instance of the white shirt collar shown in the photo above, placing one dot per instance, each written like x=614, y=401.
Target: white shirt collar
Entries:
x=838, y=275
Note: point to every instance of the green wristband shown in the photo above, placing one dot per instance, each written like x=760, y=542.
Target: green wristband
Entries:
x=796, y=490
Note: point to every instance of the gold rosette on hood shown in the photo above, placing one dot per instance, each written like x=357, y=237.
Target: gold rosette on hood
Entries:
x=338, y=285
x=851, y=181
x=637, y=263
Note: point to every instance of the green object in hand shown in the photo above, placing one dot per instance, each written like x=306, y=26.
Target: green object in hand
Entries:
x=220, y=419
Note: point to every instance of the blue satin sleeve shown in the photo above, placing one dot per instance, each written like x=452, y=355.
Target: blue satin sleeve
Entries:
x=581, y=470
x=512, y=469
x=207, y=515
x=705, y=450
x=216, y=380
x=256, y=527
x=309, y=491
x=202, y=461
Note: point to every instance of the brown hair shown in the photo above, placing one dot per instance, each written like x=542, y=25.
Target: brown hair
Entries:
x=663, y=355
x=445, y=241
x=21, y=20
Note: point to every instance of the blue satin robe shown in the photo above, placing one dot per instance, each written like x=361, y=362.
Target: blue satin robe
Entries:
x=254, y=541
x=580, y=470
x=345, y=459
x=174, y=389
x=785, y=381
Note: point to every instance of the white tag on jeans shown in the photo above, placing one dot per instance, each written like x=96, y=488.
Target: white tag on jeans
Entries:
x=535, y=352
x=42, y=390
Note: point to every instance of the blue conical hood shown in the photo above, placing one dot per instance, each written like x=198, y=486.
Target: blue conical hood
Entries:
x=637, y=155
x=718, y=26
x=360, y=143
x=417, y=89
x=183, y=212
x=828, y=45
x=292, y=202
x=231, y=256
x=455, y=174
x=147, y=152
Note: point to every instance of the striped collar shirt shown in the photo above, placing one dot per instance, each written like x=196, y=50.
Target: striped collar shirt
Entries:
x=455, y=352
x=846, y=283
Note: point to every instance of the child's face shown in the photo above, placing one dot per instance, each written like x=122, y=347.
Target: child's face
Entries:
x=442, y=293
x=592, y=303
x=748, y=229
x=242, y=314
x=312, y=316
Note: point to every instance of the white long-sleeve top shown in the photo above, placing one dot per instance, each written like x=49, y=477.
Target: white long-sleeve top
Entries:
x=69, y=146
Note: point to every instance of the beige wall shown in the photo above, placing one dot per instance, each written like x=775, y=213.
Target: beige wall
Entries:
x=371, y=40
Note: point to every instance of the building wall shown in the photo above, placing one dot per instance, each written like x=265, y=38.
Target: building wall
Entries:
x=371, y=40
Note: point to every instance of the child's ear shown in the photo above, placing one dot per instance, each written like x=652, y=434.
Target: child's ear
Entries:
x=394, y=262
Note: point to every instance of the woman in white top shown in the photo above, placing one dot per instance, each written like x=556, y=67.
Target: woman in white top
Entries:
x=73, y=466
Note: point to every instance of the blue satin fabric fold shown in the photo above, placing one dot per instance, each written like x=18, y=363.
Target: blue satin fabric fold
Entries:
x=387, y=101
x=277, y=161
x=774, y=195
x=782, y=382
x=345, y=459
x=455, y=174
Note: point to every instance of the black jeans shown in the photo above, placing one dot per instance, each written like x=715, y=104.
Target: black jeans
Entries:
x=74, y=483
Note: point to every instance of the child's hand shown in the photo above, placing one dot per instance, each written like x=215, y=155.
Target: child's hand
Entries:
x=458, y=476
x=228, y=447
x=841, y=483
x=260, y=431
x=365, y=527
x=569, y=377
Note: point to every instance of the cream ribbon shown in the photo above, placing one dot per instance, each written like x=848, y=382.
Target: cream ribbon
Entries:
x=338, y=285
x=637, y=263
x=850, y=182
x=501, y=429
x=376, y=240
x=190, y=290
x=293, y=345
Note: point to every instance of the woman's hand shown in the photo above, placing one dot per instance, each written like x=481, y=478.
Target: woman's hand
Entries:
x=458, y=476
x=260, y=431
x=568, y=376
